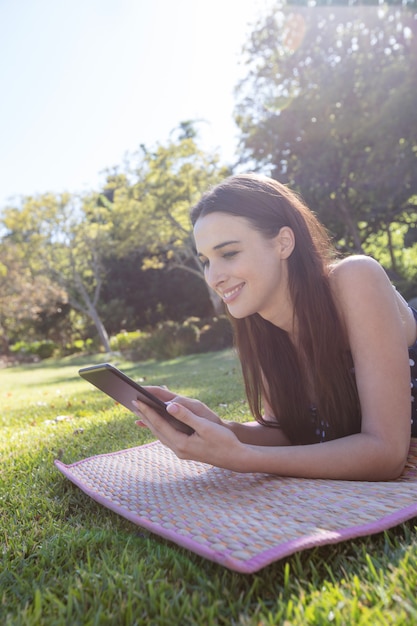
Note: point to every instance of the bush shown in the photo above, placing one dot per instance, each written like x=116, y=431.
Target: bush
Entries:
x=46, y=349
x=216, y=335
x=167, y=341
x=127, y=340
x=172, y=339
x=134, y=344
x=28, y=351
x=88, y=346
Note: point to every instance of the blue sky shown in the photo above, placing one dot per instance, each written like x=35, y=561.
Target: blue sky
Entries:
x=86, y=81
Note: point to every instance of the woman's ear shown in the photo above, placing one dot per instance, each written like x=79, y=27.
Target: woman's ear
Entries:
x=285, y=242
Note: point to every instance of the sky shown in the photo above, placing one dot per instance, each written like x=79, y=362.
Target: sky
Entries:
x=85, y=82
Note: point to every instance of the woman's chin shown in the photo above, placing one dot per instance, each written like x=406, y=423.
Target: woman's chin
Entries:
x=238, y=314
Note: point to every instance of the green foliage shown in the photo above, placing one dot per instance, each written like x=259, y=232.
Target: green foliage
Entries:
x=400, y=260
x=166, y=340
x=133, y=298
x=40, y=349
x=171, y=339
x=134, y=344
x=63, y=239
x=150, y=214
x=25, y=296
x=329, y=105
x=84, y=346
x=216, y=335
x=64, y=559
x=35, y=350
x=124, y=340
x=92, y=253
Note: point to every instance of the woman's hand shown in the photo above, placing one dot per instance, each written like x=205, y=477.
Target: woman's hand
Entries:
x=195, y=406
x=212, y=442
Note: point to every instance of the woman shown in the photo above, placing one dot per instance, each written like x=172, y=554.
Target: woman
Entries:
x=322, y=344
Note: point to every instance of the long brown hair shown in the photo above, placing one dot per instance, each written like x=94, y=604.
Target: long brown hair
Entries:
x=319, y=368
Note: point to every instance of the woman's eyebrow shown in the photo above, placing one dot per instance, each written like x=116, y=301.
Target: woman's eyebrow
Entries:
x=220, y=246
x=225, y=243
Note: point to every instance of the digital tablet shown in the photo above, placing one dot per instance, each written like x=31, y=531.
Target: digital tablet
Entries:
x=124, y=390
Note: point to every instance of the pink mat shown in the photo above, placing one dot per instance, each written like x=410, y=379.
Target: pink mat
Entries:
x=242, y=521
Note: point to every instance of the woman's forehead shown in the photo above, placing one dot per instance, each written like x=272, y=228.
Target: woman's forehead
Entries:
x=213, y=227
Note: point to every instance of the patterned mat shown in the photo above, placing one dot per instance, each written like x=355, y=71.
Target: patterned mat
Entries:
x=242, y=521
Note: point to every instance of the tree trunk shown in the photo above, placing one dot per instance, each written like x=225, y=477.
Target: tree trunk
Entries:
x=102, y=332
x=4, y=343
x=391, y=250
x=90, y=310
x=352, y=228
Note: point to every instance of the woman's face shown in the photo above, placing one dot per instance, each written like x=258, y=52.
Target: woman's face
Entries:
x=246, y=269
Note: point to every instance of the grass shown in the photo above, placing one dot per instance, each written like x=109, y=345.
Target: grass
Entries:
x=65, y=560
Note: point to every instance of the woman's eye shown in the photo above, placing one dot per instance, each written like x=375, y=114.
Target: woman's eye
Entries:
x=226, y=255
x=229, y=255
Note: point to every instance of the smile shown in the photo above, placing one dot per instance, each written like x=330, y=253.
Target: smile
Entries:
x=231, y=293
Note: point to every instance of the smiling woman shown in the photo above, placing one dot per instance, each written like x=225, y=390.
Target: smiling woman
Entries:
x=231, y=266
x=322, y=343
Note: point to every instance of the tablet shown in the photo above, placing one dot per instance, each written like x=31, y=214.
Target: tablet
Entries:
x=124, y=390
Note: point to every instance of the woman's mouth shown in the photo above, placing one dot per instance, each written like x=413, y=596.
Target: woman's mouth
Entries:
x=230, y=294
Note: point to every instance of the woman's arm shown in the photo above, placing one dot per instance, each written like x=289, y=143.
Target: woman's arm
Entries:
x=247, y=432
x=378, y=344
x=257, y=434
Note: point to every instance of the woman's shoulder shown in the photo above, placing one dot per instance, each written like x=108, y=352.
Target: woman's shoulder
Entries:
x=359, y=283
x=355, y=265
x=362, y=290
x=357, y=274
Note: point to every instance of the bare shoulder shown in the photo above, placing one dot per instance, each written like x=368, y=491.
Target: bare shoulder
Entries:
x=364, y=294
x=355, y=267
x=359, y=277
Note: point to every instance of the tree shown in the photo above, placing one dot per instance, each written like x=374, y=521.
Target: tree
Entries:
x=150, y=214
x=329, y=106
x=63, y=240
x=134, y=298
x=73, y=242
x=23, y=297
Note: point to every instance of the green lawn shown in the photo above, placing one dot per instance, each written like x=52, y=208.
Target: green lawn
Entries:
x=65, y=560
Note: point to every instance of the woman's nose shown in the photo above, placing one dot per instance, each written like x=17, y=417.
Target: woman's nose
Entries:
x=214, y=276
